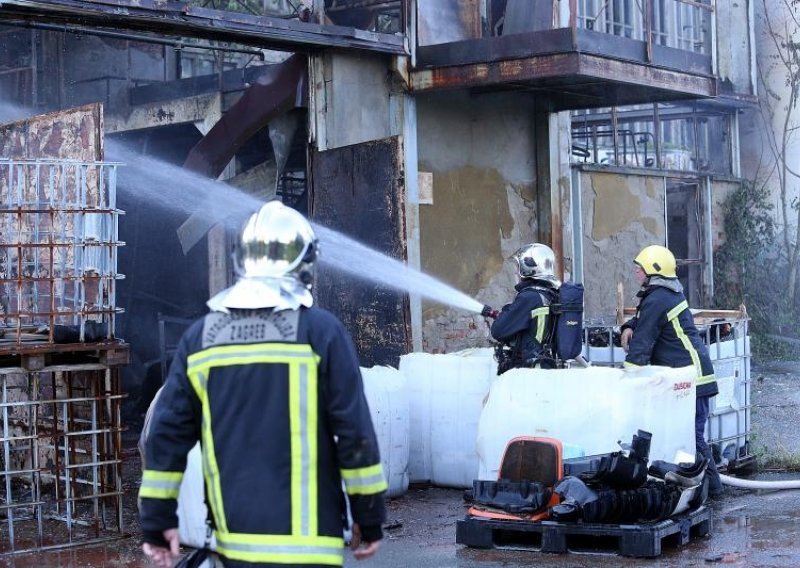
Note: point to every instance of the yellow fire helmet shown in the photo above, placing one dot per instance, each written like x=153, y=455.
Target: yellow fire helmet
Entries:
x=656, y=260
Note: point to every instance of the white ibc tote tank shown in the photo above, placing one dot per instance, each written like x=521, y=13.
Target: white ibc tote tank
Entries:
x=590, y=408
x=387, y=396
x=447, y=393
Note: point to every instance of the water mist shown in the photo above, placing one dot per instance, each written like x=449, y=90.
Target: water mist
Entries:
x=174, y=188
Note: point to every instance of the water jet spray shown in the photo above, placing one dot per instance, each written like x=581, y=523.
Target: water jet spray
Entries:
x=177, y=189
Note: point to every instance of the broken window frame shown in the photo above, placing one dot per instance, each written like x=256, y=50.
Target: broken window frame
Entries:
x=657, y=136
x=685, y=202
x=381, y=16
x=681, y=24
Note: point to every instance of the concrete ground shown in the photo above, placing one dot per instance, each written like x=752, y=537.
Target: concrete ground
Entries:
x=749, y=529
x=775, y=397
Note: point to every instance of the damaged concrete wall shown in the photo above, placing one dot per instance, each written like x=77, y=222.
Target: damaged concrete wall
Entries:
x=350, y=99
x=561, y=183
x=102, y=69
x=621, y=215
x=480, y=151
x=734, y=49
x=202, y=110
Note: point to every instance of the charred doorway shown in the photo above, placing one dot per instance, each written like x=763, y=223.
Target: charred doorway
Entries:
x=685, y=236
x=359, y=190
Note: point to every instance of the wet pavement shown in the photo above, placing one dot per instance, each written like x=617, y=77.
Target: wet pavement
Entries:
x=752, y=529
x=748, y=529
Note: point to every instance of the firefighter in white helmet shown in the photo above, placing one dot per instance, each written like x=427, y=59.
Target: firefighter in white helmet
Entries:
x=270, y=385
x=523, y=327
x=663, y=333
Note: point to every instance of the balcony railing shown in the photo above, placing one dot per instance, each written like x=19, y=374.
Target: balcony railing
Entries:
x=685, y=25
x=681, y=24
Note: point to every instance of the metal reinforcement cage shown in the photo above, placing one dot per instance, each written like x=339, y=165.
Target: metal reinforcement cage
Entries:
x=725, y=333
x=58, y=251
x=60, y=380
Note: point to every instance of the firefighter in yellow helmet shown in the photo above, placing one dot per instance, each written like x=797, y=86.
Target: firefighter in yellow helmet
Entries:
x=271, y=386
x=663, y=333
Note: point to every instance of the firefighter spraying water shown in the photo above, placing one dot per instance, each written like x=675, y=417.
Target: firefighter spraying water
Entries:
x=542, y=326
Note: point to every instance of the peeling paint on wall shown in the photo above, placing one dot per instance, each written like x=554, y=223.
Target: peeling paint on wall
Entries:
x=471, y=255
x=480, y=150
x=622, y=214
x=618, y=202
x=462, y=228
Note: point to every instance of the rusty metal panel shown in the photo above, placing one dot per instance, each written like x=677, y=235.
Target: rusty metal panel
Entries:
x=278, y=89
x=445, y=21
x=183, y=20
x=359, y=191
x=73, y=134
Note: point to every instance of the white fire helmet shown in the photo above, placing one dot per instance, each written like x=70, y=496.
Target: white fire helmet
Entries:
x=276, y=242
x=273, y=261
x=538, y=262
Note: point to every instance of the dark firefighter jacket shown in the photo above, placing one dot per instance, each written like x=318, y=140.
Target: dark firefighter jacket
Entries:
x=664, y=334
x=266, y=393
x=524, y=324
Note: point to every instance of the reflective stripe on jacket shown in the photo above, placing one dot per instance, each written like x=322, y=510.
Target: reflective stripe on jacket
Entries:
x=664, y=334
x=525, y=323
x=266, y=394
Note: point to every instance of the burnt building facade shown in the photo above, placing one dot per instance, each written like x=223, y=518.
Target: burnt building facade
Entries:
x=444, y=134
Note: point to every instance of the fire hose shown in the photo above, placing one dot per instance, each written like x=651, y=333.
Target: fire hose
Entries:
x=752, y=484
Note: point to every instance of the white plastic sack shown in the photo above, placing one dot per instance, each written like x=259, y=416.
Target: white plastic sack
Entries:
x=192, y=511
x=191, y=502
x=592, y=408
x=387, y=397
x=446, y=392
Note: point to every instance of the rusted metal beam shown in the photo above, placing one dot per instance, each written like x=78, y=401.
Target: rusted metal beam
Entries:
x=564, y=68
x=182, y=20
x=496, y=72
x=276, y=91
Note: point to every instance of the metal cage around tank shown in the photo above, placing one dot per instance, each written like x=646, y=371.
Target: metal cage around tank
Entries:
x=726, y=334
x=60, y=364
x=61, y=448
x=58, y=251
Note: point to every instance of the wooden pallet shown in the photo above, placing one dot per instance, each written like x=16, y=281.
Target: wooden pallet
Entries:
x=34, y=357
x=636, y=540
